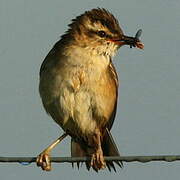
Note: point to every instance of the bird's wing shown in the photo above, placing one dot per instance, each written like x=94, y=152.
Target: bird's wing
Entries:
x=50, y=59
x=114, y=76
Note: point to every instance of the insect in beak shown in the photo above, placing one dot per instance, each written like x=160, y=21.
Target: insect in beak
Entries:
x=131, y=41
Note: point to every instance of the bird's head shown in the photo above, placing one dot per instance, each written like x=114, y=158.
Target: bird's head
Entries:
x=99, y=31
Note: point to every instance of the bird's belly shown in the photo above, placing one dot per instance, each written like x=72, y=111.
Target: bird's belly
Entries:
x=86, y=109
x=80, y=104
x=77, y=110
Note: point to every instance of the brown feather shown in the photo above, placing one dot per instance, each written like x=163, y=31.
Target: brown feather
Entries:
x=79, y=84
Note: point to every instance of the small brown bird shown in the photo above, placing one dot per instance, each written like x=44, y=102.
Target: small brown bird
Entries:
x=79, y=87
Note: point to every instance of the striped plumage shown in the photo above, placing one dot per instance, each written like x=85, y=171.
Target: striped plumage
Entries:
x=79, y=86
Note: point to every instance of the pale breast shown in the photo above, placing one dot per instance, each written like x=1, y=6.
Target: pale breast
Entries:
x=79, y=96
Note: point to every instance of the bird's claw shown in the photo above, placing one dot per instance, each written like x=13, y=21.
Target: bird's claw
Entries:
x=97, y=160
x=43, y=160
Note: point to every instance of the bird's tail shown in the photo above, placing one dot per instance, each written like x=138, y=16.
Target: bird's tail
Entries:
x=108, y=146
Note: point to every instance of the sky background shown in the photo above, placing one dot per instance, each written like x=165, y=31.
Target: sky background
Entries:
x=147, y=121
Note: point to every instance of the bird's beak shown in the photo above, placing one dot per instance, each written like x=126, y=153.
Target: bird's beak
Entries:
x=131, y=41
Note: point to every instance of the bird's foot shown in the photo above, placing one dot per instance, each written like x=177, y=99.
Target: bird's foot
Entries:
x=97, y=160
x=43, y=160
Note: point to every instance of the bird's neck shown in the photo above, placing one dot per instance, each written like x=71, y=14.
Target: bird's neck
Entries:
x=87, y=55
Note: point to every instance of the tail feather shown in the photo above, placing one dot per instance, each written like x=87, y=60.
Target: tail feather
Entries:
x=78, y=151
x=110, y=149
x=108, y=146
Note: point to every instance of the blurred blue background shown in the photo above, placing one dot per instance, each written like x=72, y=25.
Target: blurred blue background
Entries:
x=147, y=121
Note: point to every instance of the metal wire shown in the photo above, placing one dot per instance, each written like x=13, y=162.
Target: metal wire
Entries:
x=142, y=159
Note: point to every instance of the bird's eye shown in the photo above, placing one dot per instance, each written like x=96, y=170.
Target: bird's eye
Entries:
x=101, y=33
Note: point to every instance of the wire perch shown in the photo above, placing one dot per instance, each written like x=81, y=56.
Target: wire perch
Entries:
x=142, y=159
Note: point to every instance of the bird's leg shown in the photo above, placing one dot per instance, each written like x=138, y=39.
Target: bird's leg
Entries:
x=43, y=160
x=97, y=159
